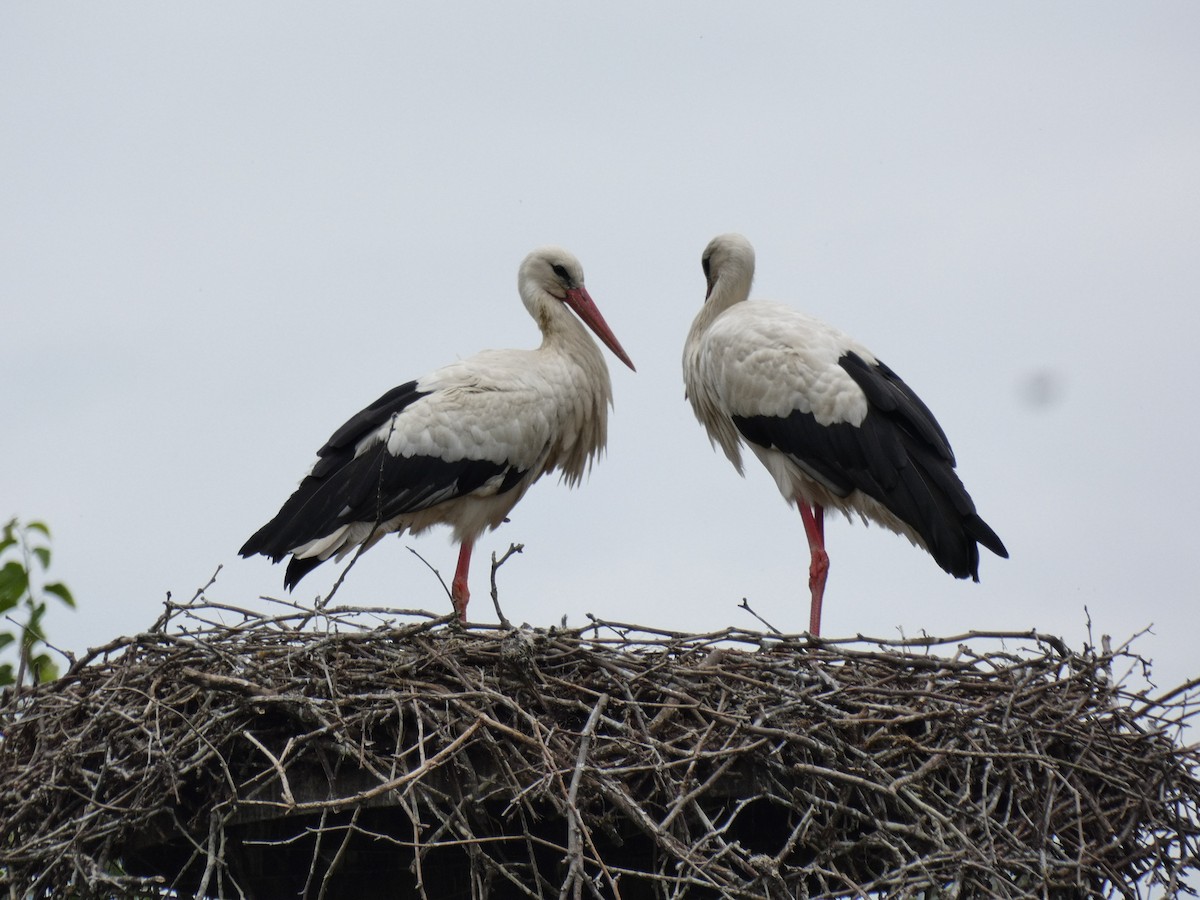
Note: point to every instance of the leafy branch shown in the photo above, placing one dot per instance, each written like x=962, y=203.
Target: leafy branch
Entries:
x=24, y=591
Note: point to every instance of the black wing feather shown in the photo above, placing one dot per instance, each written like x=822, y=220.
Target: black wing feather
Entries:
x=899, y=455
x=887, y=391
x=374, y=486
x=362, y=423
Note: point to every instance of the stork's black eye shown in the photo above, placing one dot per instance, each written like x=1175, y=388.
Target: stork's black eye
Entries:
x=561, y=271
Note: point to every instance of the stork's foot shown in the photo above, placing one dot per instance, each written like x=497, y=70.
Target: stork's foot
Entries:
x=814, y=528
x=460, y=594
x=818, y=571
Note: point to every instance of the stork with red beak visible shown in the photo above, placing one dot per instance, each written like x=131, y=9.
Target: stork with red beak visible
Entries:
x=461, y=445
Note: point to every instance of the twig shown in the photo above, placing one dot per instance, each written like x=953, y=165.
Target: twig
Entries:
x=445, y=588
x=284, y=787
x=170, y=608
x=391, y=785
x=322, y=602
x=576, y=875
x=340, y=854
x=745, y=604
x=496, y=564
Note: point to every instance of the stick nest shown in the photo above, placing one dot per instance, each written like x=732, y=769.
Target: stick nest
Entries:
x=348, y=753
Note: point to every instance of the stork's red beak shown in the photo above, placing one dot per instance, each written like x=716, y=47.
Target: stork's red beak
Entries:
x=581, y=302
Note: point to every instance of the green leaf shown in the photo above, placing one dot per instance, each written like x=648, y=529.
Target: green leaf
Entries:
x=5, y=639
x=33, y=628
x=38, y=526
x=7, y=542
x=6, y=675
x=43, y=555
x=59, y=590
x=14, y=582
x=42, y=668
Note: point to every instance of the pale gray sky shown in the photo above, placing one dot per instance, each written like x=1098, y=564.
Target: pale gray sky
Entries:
x=224, y=228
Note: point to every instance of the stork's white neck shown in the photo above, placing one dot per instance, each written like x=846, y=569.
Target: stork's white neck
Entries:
x=573, y=361
x=563, y=333
x=733, y=274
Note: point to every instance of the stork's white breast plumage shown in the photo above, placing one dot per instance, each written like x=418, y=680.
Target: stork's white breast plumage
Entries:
x=833, y=425
x=461, y=445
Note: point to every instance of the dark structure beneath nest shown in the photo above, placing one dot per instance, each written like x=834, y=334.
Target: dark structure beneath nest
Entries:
x=266, y=760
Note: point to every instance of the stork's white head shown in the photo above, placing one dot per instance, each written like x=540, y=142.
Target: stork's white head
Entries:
x=550, y=270
x=729, y=258
x=551, y=277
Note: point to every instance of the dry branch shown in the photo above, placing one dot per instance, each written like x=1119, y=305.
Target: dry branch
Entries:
x=346, y=752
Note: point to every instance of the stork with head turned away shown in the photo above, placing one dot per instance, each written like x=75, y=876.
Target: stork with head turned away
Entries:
x=835, y=427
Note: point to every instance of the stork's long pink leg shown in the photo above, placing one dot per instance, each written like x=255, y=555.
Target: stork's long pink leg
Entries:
x=460, y=594
x=818, y=569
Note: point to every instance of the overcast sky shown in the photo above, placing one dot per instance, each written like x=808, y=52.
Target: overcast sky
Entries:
x=225, y=228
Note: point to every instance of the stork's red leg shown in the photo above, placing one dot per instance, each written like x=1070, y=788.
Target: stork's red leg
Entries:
x=818, y=569
x=460, y=594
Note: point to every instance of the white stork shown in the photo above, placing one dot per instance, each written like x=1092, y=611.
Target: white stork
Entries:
x=834, y=426
x=462, y=445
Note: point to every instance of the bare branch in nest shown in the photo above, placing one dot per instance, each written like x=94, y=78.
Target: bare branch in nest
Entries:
x=745, y=604
x=496, y=564
x=322, y=602
x=430, y=567
x=170, y=607
x=346, y=753
x=576, y=874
